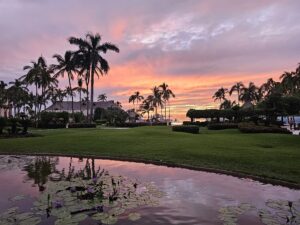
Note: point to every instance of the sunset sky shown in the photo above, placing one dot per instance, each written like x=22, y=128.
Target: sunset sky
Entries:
x=195, y=46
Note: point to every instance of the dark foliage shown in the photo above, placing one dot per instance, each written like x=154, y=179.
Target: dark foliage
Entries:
x=197, y=123
x=54, y=120
x=252, y=128
x=222, y=126
x=186, y=128
x=3, y=123
x=82, y=125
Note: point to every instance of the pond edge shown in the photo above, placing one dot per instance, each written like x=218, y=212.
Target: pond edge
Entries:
x=264, y=180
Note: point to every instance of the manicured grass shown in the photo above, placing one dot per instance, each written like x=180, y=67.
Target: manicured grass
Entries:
x=266, y=155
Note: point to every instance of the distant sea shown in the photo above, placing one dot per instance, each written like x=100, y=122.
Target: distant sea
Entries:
x=285, y=119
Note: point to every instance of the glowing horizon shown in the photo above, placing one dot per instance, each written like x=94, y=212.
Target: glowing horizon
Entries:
x=194, y=46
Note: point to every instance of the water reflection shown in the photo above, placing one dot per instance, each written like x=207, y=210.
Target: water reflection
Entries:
x=85, y=190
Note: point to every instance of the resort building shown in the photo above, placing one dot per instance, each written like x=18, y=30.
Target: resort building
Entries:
x=66, y=106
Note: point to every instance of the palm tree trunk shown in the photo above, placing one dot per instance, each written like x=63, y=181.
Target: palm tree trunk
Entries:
x=80, y=100
x=35, y=105
x=72, y=99
x=165, y=110
x=92, y=94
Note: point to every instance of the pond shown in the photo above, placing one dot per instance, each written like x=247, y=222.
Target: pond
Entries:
x=69, y=191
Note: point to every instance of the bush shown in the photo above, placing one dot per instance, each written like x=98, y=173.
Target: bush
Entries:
x=101, y=122
x=222, y=126
x=197, y=123
x=252, y=128
x=133, y=124
x=3, y=122
x=99, y=113
x=78, y=117
x=159, y=124
x=82, y=125
x=53, y=120
x=25, y=124
x=193, y=129
x=115, y=116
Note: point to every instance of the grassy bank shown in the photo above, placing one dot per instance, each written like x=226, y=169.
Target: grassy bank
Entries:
x=266, y=155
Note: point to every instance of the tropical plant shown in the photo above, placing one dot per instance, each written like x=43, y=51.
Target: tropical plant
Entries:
x=227, y=104
x=90, y=50
x=135, y=98
x=166, y=94
x=237, y=88
x=250, y=94
x=220, y=94
x=146, y=107
x=66, y=65
x=102, y=97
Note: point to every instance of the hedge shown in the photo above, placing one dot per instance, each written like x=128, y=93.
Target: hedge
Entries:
x=222, y=126
x=252, y=128
x=193, y=129
x=82, y=125
x=197, y=123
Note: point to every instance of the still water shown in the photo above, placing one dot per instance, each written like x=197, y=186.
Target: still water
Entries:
x=64, y=190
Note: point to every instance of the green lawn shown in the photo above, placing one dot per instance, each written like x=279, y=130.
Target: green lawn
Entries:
x=266, y=155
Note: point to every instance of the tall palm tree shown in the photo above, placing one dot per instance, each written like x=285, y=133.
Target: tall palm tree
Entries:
x=91, y=48
x=135, y=98
x=156, y=99
x=16, y=94
x=102, y=97
x=3, y=95
x=220, y=94
x=33, y=77
x=80, y=89
x=269, y=87
x=146, y=107
x=66, y=65
x=237, y=88
x=250, y=94
x=288, y=82
x=166, y=94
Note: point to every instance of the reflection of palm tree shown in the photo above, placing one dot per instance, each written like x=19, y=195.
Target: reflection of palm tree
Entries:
x=40, y=169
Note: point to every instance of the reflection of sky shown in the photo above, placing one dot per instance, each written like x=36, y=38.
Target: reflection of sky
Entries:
x=190, y=195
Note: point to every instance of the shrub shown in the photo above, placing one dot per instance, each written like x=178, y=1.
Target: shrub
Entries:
x=133, y=124
x=54, y=120
x=99, y=113
x=186, y=128
x=25, y=124
x=252, y=128
x=197, y=123
x=222, y=126
x=2, y=124
x=82, y=125
x=159, y=124
x=101, y=122
x=78, y=117
x=115, y=116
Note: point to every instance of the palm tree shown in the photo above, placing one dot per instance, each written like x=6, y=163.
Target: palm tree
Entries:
x=166, y=93
x=91, y=48
x=136, y=97
x=33, y=77
x=269, y=87
x=102, y=97
x=220, y=94
x=146, y=107
x=237, y=88
x=250, y=93
x=227, y=104
x=288, y=82
x=80, y=89
x=66, y=64
x=3, y=95
x=156, y=99
x=16, y=94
